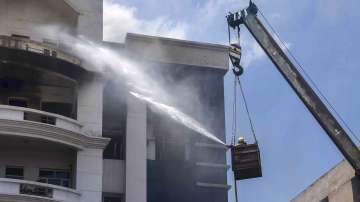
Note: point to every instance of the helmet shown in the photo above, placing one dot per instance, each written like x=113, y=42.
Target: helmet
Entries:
x=241, y=140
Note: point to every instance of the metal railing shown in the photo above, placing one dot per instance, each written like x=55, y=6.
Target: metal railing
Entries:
x=37, y=47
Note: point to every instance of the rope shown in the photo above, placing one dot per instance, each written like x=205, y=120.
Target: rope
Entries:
x=332, y=107
x=247, y=110
x=234, y=126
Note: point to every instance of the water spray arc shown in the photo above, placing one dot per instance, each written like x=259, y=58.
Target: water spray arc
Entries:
x=117, y=65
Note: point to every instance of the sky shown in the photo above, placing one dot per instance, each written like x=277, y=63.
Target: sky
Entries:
x=322, y=34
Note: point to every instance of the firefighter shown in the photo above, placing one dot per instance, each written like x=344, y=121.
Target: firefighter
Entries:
x=241, y=141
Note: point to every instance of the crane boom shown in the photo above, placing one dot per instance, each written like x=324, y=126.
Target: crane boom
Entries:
x=304, y=91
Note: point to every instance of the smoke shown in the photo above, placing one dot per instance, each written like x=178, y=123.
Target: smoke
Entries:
x=120, y=19
x=139, y=82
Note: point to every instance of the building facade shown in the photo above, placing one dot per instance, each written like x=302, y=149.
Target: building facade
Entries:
x=69, y=132
x=338, y=185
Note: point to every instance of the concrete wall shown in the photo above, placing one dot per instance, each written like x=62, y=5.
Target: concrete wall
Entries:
x=90, y=161
x=114, y=176
x=339, y=185
x=82, y=17
x=135, y=187
x=90, y=23
x=90, y=105
x=28, y=17
x=89, y=172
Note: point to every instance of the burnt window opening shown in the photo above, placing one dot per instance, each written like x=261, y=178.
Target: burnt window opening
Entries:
x=169, y=137
x=113, y=197
x=114, y=120
x=115, y=149
x=64, y=109
x=10, y=84
x=168, y=148
x=18, y=102
x=14, y=172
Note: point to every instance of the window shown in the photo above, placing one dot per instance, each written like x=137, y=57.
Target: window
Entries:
x=113, y=198
x=18, y=102
x=14, y=172
x=326, y=199
x=64, y=109
x=115, y=149
x=55, y=177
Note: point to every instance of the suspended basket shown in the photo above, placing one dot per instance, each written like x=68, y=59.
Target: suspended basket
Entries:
x=246, y=162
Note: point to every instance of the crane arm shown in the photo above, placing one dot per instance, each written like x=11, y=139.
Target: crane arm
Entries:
x=304, y=91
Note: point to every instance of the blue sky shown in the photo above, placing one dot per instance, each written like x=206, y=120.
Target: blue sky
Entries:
x=323, y=35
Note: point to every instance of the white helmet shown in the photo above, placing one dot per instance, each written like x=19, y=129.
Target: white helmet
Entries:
x=241, y=140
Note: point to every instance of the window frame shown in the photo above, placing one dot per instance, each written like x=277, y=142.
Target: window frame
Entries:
x=54, y=171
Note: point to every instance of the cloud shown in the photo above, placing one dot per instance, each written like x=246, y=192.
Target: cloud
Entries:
x=252, y=52
x=120, y=19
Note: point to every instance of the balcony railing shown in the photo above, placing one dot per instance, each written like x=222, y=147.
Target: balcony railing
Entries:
x=20, y=121
x=36, y=47
x=13, y=189
x=21, y=114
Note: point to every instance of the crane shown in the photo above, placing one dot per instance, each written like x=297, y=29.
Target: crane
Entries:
x=248, y=17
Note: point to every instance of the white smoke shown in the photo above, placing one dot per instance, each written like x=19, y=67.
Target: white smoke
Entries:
x=104, y=60
x=120, y=19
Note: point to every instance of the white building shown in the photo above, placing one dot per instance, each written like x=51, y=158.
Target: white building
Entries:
x=66, y=136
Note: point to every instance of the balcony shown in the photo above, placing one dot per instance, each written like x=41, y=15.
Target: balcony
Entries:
x=23, y=52
x=37, y=47
x=23, y=190
x=26, y=122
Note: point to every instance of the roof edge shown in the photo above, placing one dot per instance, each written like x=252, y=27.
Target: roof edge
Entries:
x=179, y=42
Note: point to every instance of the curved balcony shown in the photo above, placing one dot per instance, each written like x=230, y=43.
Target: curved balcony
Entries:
x=22, y=190
x=20, y=121
x=25, y=52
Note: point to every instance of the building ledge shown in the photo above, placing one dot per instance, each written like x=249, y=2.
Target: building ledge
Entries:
x=16, y=52
x=17, y=113
x=61, y=130
x=51, y=133
x=210, y=145
x=12, y=190
x=24, y=198
x=36, y=47
x=212, y=165
x=175, y=51
x=213, y=185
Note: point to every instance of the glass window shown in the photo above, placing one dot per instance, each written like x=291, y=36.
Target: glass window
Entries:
x=14, y=172
x=56, y=177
